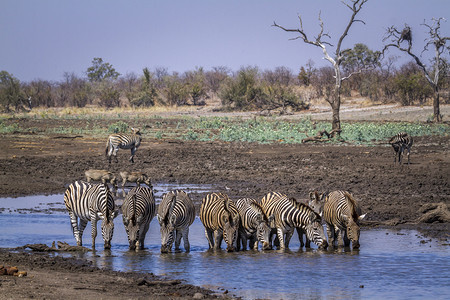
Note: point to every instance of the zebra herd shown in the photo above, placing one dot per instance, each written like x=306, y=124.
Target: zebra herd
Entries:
x=246, y=222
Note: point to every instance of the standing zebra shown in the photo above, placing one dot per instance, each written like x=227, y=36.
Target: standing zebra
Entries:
x=90, y=202
x=138, y=210
x=254, y=224
x=123, y=141
x=220, y=217
x=176, y=213
x=342, y=215
x=290, y=214
x=401, y=142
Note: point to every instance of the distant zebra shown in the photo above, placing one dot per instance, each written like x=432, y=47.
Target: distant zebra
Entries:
x=90, y=202
x=290, y=214
x=401, y=142
x=176, y=213
x=255, y=225
x=138, y=210
x=342, y=215
x=220, y=217
x=123, y=141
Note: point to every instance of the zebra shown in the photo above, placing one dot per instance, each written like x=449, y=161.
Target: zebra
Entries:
x=90, y=202
x=290, y=214
x=254, y=225
x=138, y=210
x=176, y=213
x=342, y=215
x=220, y=217
x=316, y=203
x=123, y=141
x=401, y=142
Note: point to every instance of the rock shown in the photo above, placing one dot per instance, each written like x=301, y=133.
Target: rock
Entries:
x=198, y=296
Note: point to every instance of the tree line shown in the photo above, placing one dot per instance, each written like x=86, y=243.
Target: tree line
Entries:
x=248, y=88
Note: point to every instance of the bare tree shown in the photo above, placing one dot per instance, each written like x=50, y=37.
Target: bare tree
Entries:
x=435, y=40
x=335, y=99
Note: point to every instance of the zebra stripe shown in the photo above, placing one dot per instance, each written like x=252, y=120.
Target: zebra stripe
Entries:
x=316, y=203
x=138, y=210
x=220, y=217
x=123, y=141
x=401, y=142
x=342, y=215
x=254, y=224
x=176, y=213
x=90, y=202
x=290, y=214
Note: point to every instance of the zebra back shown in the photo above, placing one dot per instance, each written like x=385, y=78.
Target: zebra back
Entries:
x=251, y=213
x=339, y=204
x=139, y=205
x=268, y=203
x=125, y=141
x=216, y=209
x=177, y=208
x=88, y=201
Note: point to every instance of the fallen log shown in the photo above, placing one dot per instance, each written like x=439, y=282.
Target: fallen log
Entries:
x=62, y=246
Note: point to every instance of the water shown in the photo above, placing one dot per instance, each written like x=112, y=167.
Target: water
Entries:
x=390, y=264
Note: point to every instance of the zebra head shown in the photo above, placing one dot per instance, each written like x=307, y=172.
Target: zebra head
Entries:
x=230, y=230
x=108, y=228
x=263, y=231
x=315, y=232
x=353, y=229
x=167, y=229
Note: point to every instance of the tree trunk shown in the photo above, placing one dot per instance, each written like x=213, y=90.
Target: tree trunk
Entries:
x=336, y=105
x=437, y=117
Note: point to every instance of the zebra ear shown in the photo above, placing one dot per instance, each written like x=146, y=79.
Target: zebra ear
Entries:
x=361, y=217
x=312, y=196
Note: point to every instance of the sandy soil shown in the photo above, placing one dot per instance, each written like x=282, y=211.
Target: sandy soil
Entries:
x=390, y=195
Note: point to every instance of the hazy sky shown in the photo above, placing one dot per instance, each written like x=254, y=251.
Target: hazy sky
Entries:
x=43, y=39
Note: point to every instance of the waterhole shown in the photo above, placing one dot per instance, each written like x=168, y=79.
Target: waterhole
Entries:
x=389, y=264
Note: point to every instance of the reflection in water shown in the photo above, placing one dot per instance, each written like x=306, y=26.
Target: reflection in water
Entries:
x=389, y=264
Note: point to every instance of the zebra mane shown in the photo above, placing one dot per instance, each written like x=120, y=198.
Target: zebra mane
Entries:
x=353, y=205
x=258, y=207
x=304, y=206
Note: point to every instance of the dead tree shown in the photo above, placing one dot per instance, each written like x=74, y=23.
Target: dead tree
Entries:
x=435, y=40
x=335, y=99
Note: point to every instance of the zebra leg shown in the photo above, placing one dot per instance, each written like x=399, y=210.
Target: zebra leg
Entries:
x=185, y=234
x=178, y=236
x=289, y=235
x=133, y=151
x=346, y=239
x=340, y=237
x=142, y=233
x=331, y=234
x=76, y=232
x=94, y=231
x=209, y=237
x=114, y=152
x=280, y=235
x=300, y=236
x=218, y=236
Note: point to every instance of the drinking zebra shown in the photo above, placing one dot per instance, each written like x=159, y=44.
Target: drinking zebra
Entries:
x=220, y=217
x=342, y=215
x=401, y=142
x=138, y=210
x=123, y=141
x=90, y=202
x=316, y=203
x=255, y=225
x=290, y=214
x=176, y=213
